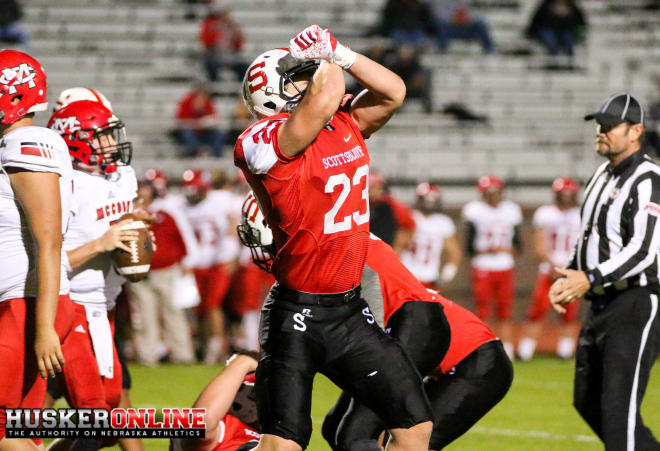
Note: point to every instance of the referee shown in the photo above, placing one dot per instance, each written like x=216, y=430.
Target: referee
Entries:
x=615, y=266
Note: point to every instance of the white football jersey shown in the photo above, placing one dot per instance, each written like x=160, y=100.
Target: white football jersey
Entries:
x=561, y=228
x=494, y=228
x=100, y=201
x=212, y=220
x=422, y=257
x=36, y=149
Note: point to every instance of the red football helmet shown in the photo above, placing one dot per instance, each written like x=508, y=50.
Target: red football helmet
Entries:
x=429, y=197
x=565, y=184
x=195, y=184
x=95, y=136
x=22, y=78
x=158, y=180
x=489, y=183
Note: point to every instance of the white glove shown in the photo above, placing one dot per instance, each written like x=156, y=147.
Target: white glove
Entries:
x=316, y=43
x=448, y=273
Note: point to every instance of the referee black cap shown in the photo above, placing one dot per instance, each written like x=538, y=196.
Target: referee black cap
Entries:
x=617, y=109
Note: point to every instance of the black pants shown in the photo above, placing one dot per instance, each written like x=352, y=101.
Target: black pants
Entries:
x=618, y=345
x=344, y=343
x=423, y=331
x=459, y=399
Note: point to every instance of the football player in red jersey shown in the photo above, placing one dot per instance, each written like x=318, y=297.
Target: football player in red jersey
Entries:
x=308, y=166
x=463, y=384
x=36, y=313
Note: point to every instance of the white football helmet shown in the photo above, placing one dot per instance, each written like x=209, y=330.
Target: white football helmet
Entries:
x=79, y=93
x=254, y=233
x=263, y=84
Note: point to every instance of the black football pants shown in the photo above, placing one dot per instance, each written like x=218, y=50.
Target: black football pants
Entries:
x=618, y=345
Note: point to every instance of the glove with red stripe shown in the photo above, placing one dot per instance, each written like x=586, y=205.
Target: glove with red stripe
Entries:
x=316, y=43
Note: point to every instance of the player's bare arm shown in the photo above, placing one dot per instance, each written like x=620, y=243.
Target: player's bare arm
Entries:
x=384, y=94
x=39, y=195
x=453, y=261
x=217, y=399
x=321, y=101
x=540, y=244
x=113, y=238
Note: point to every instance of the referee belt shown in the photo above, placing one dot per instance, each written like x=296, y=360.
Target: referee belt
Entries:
x=323, y=299
x=615, y=288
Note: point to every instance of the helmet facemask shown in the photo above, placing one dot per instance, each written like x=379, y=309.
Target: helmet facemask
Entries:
x=262, y=255
x=289, y=68
x=110, y=147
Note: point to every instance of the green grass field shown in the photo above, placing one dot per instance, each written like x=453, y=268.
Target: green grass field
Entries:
x=535, y=415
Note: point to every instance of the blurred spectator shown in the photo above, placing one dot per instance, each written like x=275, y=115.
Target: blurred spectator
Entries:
x=390, y=220
x=240, y=120
x=652, y=126
x=406, y=64
x=407, y=21
x=558, y=25
x=10, y=30
x=155, y=297
x=455, y=20
x=222, y=39
x=198, y=124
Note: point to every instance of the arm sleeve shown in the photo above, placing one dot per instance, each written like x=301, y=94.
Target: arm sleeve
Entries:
x=402, y=214
x=643, y=247
x=35, y=156
x=572, y=262
x=260, y=147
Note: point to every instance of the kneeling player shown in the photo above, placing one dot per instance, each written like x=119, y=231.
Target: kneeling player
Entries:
x=471, y=379
x=231, y=411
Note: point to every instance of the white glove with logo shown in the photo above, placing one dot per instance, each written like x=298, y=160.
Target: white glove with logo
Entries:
x=316, y=43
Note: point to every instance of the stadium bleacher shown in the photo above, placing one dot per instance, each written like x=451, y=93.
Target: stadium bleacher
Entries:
x=145, y=55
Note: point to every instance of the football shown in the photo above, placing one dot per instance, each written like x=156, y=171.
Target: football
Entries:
x=135, y=265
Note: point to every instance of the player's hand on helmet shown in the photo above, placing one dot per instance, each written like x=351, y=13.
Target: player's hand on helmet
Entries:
x=316, y=43
x=115, y=237
x=48, y=351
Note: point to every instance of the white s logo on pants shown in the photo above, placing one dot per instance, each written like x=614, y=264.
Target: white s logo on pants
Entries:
x=367, y=313
x=299, y=319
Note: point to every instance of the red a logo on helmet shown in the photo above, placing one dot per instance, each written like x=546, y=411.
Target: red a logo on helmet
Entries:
x=254, y=75
x=15, y=76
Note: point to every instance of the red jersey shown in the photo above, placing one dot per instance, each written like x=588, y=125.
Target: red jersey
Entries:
x=402, y=214
x=175, y=238
x=171, y=248
x=399, y=286
x=316, y=203
x=234, y=433
x=188, y=109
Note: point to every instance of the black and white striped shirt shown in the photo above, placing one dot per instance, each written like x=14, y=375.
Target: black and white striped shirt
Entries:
x=619, y=242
